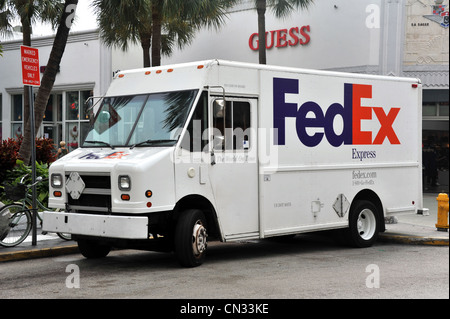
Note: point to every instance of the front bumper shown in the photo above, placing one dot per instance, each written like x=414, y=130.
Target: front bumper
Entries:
x=123, y=227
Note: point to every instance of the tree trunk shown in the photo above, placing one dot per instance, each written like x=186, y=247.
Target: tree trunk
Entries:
x=49, y=76
x=261, y=9
x=26, y=40
x=146, y=41
x=157, y=12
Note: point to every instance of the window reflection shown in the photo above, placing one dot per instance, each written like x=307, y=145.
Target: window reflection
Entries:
x=135, y=119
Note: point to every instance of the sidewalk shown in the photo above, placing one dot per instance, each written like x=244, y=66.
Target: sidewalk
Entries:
x=410, y=230
x=46, y=246
x=417, y=229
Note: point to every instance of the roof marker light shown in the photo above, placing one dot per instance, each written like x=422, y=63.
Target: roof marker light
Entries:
x=200, y=67
x=148, y=72
x=158, y=72
x=169, y=70
x=121, y=75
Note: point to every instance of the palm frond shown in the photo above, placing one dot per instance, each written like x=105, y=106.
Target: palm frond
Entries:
x=282, y=8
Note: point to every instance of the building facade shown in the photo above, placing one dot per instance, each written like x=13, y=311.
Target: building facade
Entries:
x=388, y=37
x=85, y=71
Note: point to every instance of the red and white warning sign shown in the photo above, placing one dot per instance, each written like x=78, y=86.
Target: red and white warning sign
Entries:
x=30, y=66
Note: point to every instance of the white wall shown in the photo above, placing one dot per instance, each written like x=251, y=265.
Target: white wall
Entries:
x=340, y=35
x=346, y=36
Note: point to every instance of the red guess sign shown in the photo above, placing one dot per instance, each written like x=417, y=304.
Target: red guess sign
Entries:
x=282, y=38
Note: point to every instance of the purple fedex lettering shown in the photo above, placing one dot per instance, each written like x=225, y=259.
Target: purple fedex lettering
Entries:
x=282, y=110
x=90, y=156
x=311, y=115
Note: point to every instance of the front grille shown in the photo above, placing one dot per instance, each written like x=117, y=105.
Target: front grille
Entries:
x=96, y=195
x=103, y=182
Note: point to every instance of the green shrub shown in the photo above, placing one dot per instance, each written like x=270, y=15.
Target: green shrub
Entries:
x=9, y=153
x=12, y=169
x=14, y=176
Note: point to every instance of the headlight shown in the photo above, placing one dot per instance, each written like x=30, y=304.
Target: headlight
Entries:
x=57, y=180
x=124, y=183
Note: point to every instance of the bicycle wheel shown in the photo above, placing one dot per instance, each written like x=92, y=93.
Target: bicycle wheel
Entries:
x=15, y=225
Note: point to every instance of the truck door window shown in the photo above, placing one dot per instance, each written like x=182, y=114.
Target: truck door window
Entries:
x=196, y=138
x=232, y=126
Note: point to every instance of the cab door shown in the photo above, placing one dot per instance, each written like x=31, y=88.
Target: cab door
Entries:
x=234, y=165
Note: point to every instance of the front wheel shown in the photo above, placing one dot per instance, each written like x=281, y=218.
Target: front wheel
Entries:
x=15, y=225
x=92, y=249
x=191, y=238
x=364, y=224
x=65, y=236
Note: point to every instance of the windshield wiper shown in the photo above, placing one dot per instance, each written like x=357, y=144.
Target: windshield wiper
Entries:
x=151, y=142
x=100, y=142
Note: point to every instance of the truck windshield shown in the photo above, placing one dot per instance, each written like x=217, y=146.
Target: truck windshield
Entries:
x=141, y=120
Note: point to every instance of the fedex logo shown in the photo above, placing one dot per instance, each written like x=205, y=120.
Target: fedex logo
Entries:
x=352, y=113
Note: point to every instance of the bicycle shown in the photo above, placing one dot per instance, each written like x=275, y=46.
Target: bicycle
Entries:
x=16, y=218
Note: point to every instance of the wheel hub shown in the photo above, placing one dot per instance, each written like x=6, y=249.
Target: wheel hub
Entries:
x=366, y=224
x=199, y=239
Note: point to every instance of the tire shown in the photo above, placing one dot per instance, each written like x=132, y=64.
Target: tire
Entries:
x=15, y=225
x=92, y=249
x=364, y=225
x=65, y=236
x=191, y=238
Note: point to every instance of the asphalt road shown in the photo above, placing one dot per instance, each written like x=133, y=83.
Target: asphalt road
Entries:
x=308, y=266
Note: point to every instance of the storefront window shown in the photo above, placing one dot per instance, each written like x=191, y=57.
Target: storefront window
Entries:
x=443, y=109
x=52, y=122
x=435, y=141
x=17, y=115
x=430, y=110
x=72, y=133
x=17, y=108
x=72, y=106
x=85, y=109
x=49, y=111
x=77, y=117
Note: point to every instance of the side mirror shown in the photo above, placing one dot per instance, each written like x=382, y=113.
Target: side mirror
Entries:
x=104, y=117
x=219, y=109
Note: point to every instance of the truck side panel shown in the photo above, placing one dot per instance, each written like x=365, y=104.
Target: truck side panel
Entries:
x=337, y=135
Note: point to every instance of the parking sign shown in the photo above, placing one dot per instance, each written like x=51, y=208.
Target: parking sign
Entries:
x=30, y=66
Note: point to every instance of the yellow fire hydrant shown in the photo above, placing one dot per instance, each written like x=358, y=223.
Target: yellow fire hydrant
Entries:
x=442, y=224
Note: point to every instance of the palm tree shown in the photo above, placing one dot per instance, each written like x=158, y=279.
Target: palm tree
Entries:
x=48, y=79
x=124, y=22
x=190, y=15
x=281, y=9
x=156, y=24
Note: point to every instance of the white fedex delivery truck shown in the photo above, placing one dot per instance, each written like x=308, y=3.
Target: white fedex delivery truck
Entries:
x=182, y=154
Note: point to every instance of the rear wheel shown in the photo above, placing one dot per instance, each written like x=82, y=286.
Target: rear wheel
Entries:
x=364, y=224
x=191, y=238
x=92, y=249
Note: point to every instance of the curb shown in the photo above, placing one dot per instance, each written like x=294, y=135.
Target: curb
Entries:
x=73, y=249
x=38, y=253
x=414, y=240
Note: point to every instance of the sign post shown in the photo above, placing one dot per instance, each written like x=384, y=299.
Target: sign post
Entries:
x=30, y=78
